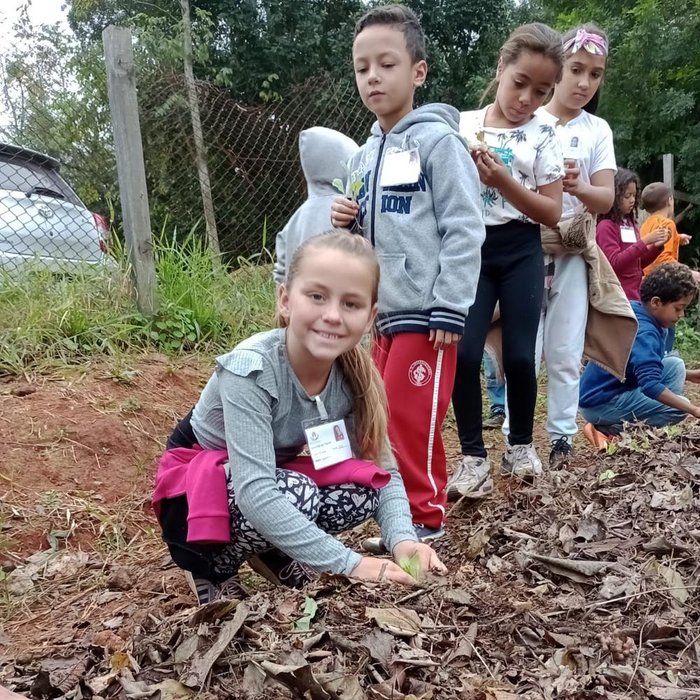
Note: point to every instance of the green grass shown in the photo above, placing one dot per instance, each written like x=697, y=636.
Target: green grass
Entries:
x=48, y=319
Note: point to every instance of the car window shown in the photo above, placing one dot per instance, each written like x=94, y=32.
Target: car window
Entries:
x=22, y=176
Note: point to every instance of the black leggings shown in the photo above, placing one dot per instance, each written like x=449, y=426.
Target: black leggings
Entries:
x=512, y=273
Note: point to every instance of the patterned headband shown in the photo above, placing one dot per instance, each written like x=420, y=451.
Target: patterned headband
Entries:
x=593, y=43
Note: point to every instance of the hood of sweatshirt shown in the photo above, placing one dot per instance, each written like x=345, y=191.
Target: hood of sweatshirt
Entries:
x=430, y=113
x=324, y=154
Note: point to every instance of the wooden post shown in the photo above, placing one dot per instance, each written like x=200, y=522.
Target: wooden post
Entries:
x=668, y=170
x=199, y=148
x=133, y=196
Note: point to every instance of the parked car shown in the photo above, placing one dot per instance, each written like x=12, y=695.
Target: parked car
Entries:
x=42, y=218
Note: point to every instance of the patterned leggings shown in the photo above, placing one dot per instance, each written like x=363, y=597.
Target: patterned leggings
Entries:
x=333, y=508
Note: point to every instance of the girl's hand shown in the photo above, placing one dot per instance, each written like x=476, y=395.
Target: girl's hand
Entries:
x=427, y=557
x=442, y=339
x=376, y=569
x=344, y=211
x=491, y=170
x=657, y=237
x=684, y=238
x=571, y=183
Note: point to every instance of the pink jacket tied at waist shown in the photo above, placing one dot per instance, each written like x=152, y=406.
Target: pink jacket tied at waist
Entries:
x=200, y=475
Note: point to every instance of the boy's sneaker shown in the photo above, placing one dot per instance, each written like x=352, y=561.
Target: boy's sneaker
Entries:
x=281, y=569
x=375, y=545
x=495, y=420
x=428, y=534
x=522, y=461
x=207, y=592
x=562, y=452
x=471, y=478
x=597, y=438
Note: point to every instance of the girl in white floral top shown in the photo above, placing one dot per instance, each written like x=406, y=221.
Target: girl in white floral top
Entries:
x=520, y=165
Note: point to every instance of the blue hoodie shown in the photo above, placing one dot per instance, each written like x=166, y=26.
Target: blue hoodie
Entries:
x=427, y=233
x=643, y=369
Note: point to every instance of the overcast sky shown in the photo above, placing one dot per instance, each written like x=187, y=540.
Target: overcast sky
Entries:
x=44, y=11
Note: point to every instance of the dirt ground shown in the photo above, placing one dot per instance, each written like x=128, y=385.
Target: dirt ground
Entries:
x=91, y=606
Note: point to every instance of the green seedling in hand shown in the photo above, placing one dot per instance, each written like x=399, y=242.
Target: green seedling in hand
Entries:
x=411, y=565
x=354, y=188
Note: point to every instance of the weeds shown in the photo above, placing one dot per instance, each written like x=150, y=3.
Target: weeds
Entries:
x=47, y=318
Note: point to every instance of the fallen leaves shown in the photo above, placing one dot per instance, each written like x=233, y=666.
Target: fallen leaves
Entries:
x=575, y=586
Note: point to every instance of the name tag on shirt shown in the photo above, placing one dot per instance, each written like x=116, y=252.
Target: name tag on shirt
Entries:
x=401, y=168
x=328, y=442
x=627, y=234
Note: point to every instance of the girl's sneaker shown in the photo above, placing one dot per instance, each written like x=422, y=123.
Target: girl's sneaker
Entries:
x=208, y=592
x=471, y=478
x=521, y=461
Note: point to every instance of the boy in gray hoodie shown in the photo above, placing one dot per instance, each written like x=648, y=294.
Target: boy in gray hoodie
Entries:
x=419, y=205
x=324, y=154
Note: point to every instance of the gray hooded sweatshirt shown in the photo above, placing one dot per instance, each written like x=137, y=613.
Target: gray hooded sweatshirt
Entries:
x=324, y=154
x=427, y=232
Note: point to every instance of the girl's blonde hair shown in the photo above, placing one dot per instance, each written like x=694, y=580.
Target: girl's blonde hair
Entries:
x=535, y=38
x=369, y=397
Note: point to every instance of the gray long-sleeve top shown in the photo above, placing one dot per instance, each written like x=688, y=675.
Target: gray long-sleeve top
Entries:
x=253, y=406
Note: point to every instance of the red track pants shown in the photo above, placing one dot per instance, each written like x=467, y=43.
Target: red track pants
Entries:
x=418, y=381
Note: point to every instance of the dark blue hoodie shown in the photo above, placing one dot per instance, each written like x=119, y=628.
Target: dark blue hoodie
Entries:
x=643, y=369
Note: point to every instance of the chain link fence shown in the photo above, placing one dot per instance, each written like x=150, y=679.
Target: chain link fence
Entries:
x=59, y=193
x=252, y=155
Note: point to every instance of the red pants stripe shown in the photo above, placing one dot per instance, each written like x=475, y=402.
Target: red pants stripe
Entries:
x=418, y=381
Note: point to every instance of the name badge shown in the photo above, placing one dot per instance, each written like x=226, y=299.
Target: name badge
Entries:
x=627, y=234
x=400, y=168
x=328, y=442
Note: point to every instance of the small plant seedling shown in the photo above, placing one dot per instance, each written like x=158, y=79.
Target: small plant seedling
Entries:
x=354, y=188
x=411, y=565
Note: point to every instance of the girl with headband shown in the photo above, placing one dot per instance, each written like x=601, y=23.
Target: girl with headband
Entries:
x=589, y=160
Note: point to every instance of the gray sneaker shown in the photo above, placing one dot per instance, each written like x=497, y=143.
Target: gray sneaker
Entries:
x=208, y=592
x=522, y=461
x=471, y=478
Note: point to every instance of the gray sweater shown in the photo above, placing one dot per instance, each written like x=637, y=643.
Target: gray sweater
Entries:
x=427, y=234
x=253, y=406
x=324, y=154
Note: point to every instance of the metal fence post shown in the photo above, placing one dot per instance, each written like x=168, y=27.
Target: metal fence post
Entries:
x=121, y=87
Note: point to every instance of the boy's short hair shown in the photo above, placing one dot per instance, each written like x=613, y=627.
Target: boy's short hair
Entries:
x=655, y=196
x=404, y=19
x=669, y=282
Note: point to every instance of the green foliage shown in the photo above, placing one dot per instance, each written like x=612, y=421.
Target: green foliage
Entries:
x=203, y=308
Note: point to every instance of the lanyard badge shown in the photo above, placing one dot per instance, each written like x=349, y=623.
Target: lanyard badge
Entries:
x=327, y=440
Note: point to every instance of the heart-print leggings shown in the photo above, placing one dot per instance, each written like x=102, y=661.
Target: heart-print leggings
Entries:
x=333, y=508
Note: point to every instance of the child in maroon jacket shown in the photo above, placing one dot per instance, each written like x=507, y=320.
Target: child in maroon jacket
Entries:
x=618, y=236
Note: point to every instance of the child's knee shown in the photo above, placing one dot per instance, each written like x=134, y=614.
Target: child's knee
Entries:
x=301, y=491
x=673, y=375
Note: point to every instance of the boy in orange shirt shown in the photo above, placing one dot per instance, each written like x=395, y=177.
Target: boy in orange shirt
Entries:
x=657, y=200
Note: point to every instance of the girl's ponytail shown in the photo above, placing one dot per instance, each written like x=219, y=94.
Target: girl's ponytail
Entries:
x=369, y=404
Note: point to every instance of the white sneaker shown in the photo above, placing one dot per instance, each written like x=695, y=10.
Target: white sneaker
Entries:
x=471, y=478
x=521, y=460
